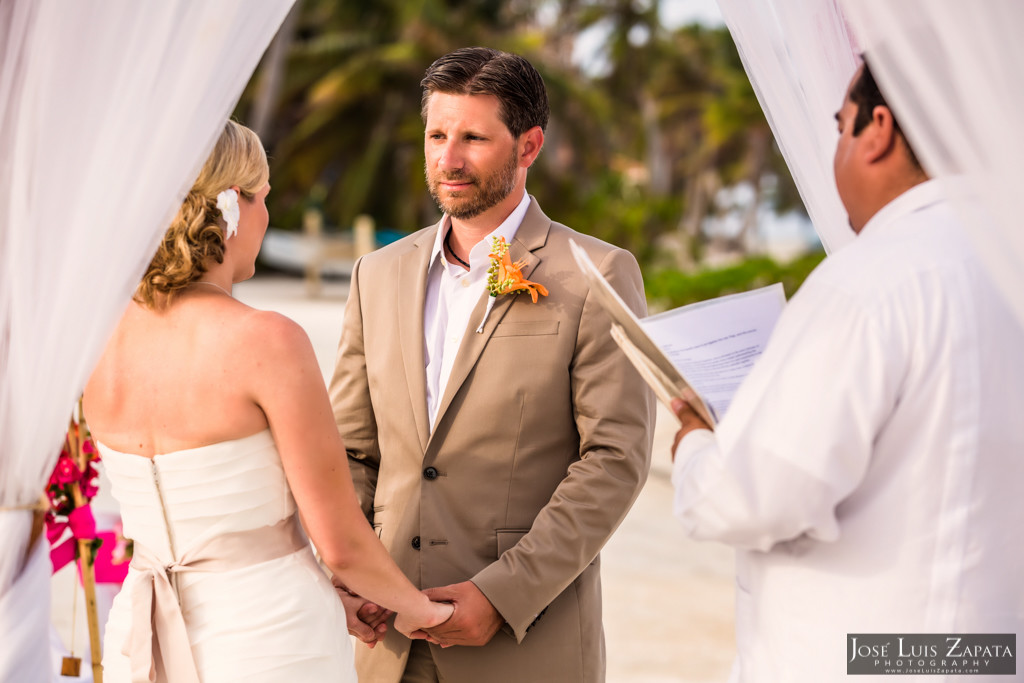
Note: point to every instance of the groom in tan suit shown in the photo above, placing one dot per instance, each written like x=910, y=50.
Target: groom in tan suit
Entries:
x=496, y=443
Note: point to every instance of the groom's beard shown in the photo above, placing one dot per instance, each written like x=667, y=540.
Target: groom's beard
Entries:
x=484, y=193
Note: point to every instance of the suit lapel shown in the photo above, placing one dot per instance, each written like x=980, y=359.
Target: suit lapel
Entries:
x=412, y=283
x=532, y=234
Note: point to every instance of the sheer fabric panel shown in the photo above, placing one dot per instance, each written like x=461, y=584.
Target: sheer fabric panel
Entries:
x=953, y=72
x=107, y=110
x=799, y=57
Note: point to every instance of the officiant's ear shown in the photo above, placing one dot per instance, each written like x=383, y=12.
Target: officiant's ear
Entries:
x=880, y=136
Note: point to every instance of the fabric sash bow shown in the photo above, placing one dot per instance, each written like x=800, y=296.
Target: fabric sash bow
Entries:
x=158, y=645
x=83, y=527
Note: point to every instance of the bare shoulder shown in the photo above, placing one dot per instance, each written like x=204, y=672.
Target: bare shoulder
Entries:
x=272, y=353
x=271, y=332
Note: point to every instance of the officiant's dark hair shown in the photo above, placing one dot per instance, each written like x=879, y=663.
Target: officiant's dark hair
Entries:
x=195, y=236
x=485, y=71
x=866, y=94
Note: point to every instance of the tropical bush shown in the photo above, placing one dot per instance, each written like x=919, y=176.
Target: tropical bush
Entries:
x=668, y=288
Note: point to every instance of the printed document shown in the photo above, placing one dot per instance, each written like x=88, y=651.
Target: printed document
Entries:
x=707, y=347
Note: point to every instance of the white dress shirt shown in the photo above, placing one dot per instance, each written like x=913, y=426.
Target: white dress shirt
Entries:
x=870, y=469
x=452, y=293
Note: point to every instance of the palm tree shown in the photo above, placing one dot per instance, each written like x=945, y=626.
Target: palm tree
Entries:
x=630, y=154
x=715, y=130
x=347, y=133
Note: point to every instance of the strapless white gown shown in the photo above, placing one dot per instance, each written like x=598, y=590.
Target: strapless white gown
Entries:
x=275, y=620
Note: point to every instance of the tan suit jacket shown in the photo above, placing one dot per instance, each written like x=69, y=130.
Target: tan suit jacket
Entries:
x=541, y=444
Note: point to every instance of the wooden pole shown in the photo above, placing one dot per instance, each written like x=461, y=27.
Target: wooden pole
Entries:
x=85, y=562
x=313, y=233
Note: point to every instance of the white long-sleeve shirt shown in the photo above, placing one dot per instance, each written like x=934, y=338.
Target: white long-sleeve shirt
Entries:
x=870, y=470
x=452, y=293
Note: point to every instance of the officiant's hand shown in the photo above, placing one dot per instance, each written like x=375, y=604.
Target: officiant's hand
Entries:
x=688, y=419
x=475, y=620
x=367, y=620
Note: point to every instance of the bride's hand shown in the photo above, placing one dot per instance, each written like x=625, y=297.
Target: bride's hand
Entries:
x=412, y=625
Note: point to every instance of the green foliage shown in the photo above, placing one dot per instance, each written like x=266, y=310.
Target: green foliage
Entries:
x=614, y=211
x=669, y=288
x=628, y=152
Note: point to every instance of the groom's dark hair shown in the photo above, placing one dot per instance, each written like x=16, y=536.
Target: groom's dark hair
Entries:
x=485, y=71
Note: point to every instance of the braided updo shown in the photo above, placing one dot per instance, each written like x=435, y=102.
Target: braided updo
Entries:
x=196, y=235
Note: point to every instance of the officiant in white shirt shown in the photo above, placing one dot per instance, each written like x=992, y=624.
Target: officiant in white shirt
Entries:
x=869, y=469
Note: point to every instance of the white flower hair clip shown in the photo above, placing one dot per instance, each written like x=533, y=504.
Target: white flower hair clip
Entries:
x=227, y=203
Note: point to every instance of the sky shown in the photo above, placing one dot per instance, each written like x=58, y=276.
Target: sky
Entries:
x=675, y=13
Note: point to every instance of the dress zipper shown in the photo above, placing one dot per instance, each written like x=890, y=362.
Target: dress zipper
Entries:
x=167, y=523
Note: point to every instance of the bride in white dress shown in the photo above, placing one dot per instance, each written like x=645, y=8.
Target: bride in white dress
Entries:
x=215, y=428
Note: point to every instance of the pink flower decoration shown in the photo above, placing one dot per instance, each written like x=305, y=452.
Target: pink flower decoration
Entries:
x=66, y=471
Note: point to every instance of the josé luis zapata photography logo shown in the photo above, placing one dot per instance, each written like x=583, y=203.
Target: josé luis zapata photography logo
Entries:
x=931, y=653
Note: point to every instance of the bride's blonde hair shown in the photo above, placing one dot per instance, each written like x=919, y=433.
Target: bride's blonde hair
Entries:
x=196, y=235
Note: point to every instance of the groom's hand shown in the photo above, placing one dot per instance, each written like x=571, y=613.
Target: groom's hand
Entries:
x=367, y=620
x=474, y=622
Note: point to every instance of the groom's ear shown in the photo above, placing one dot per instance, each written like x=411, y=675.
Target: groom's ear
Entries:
x=529, y=146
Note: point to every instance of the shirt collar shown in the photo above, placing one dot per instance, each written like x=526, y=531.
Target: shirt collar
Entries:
x=482, y=249
x=918, y=197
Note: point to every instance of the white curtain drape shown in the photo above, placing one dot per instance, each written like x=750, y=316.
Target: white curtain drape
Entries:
x=799, y=57
x=953, y=72
x=107, y=110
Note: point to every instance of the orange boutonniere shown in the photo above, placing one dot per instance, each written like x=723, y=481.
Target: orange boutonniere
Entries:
x=506, y=277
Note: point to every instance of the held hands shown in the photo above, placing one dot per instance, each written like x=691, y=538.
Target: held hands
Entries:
x=474, y=621
x=688, y=418
x=367, y=621
x=417, y=624
x=458, y=614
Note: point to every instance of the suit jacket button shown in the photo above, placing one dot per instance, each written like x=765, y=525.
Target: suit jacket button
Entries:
x=430, y=473
x=416, y=542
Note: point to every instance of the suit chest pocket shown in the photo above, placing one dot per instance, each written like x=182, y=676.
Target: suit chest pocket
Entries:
x=526, y=328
